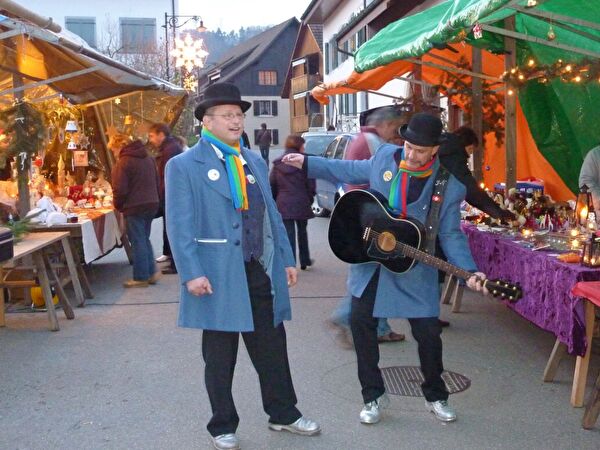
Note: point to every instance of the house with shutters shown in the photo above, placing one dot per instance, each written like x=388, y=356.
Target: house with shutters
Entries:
x=258, y=67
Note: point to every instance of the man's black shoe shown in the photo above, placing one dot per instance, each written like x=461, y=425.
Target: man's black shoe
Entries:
x=169, y=271
x=443, y=323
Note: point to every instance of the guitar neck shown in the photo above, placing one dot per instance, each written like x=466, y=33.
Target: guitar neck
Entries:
x=430, y=260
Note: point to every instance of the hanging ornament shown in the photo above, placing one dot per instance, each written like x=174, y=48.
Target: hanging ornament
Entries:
x=531, y=3
x=551, y=34
x=477, y=31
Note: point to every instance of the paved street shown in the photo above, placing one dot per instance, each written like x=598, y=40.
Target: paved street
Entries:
x=123, y=376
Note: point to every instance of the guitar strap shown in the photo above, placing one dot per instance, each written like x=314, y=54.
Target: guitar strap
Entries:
x=433, y=217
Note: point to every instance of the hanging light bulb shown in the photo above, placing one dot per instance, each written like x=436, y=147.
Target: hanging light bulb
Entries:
x=510, y=92
x=531, y=3
x=551, y=34
x=531, y=62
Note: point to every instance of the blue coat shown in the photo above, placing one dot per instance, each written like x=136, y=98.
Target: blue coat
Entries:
x=415, y=293
x=205, y=232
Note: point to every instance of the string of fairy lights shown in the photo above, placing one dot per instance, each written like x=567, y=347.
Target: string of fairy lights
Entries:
x=582, y=72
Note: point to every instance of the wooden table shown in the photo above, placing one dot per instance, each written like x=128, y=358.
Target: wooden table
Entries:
x=36, y=245
x=99, y=230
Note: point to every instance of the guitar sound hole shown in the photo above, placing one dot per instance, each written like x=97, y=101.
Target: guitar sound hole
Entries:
x=386, y=241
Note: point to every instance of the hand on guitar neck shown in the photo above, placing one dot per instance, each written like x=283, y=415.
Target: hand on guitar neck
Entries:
x=477, y=283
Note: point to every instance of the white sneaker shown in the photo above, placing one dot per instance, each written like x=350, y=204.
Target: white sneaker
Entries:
x=163, y=258
x=442, y=410
x=371, y=412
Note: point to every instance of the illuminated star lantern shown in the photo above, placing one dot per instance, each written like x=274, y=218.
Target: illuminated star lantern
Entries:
x=190, y=83
x=189, y=53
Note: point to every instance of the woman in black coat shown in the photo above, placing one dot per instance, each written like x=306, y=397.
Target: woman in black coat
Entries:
x=293, y=193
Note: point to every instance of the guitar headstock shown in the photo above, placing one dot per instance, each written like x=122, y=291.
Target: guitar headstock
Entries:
x=504, y=289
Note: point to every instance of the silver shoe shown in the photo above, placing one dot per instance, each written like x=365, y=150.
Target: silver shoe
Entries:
x=301, y=426
x=371, y=412
x=226, y=442
x=442, y=410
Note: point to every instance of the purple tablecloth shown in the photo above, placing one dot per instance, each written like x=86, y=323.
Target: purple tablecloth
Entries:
x=546, y=283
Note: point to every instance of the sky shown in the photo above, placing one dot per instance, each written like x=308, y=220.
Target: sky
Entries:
x=233, y=14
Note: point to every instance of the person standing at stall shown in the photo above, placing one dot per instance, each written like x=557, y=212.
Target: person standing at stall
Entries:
x=293, y=193
x=168, y=146
x=135, y=194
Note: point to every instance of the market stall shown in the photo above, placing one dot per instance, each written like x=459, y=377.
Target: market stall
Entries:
x=60, y=101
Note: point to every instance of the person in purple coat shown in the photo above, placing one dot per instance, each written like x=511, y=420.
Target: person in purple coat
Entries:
x=293, y=192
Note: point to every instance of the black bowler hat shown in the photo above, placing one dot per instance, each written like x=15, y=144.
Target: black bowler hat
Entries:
x=422, y=129
x=220, y=94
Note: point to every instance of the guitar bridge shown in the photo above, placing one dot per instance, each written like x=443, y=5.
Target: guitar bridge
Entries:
x=366, y=233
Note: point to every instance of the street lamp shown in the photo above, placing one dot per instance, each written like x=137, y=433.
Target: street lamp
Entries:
x=172, y=22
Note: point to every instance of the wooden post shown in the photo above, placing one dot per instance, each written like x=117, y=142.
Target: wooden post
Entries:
x=477, y=114
x=23, y=177
x=510, y=110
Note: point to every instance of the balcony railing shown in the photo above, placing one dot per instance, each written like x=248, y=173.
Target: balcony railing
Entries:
x=304, y=83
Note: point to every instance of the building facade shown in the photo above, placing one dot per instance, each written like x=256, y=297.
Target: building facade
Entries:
x=347, y=24
x=305, y=72
x=117, y=26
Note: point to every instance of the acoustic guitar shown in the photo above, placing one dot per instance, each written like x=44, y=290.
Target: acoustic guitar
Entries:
x=362, y=229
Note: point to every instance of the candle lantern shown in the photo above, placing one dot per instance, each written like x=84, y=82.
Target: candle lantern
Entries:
x=583, y=207
x=591, y=252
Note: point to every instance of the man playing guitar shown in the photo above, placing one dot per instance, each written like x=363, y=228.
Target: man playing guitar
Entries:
x=406, y=177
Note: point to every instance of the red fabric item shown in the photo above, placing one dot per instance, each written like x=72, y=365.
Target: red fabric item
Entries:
x=589, y=290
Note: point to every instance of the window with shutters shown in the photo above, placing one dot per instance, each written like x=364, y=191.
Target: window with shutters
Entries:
x=84, y=27
x=138, y=35
x=265, y=107
x=267, y=77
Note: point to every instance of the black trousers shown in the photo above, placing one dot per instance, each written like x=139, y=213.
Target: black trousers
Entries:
x=290, y=227
x=267, y=348
x=426, y=331
x=264, y=152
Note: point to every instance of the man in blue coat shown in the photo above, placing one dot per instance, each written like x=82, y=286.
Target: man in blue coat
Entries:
x=235, y=264
x=406, y=177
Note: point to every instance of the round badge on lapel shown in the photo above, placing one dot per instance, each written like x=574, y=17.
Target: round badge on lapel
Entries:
x=387, y=175
x=213, y=175
x=251, y=179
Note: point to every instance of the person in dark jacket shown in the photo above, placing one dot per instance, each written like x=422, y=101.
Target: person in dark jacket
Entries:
x=168, y=146
x=454, y=153
x=293, y=193
x=264, y=139
x=135, y=194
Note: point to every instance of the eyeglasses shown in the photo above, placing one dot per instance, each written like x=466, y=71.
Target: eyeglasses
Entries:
x=230, y=116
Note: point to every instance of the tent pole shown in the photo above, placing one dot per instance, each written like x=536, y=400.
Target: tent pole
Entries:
x=22, y=178
x=477, y=114
x=510, y=109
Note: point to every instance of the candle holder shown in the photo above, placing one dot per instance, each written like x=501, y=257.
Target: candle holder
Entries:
x=590, y=257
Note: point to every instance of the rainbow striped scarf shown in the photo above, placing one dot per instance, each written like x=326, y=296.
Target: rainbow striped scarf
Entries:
x=234, y=168
x=399, y=188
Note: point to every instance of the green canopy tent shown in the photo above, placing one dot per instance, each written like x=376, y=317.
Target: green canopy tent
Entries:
x=559, y=90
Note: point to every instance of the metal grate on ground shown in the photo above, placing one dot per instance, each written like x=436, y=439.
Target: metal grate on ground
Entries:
x=406, y=381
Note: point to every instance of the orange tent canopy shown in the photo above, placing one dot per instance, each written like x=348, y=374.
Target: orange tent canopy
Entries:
x=530, y=162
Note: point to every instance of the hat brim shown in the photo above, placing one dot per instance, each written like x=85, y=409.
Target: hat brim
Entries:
x=204, y=105
x=414, y=138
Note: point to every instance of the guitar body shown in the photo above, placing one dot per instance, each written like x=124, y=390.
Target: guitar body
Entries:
x=358, y=210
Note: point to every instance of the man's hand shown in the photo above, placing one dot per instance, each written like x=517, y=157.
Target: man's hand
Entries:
x=294, y=159
x=292, y=276
x=476, y=282
x=199, y=286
